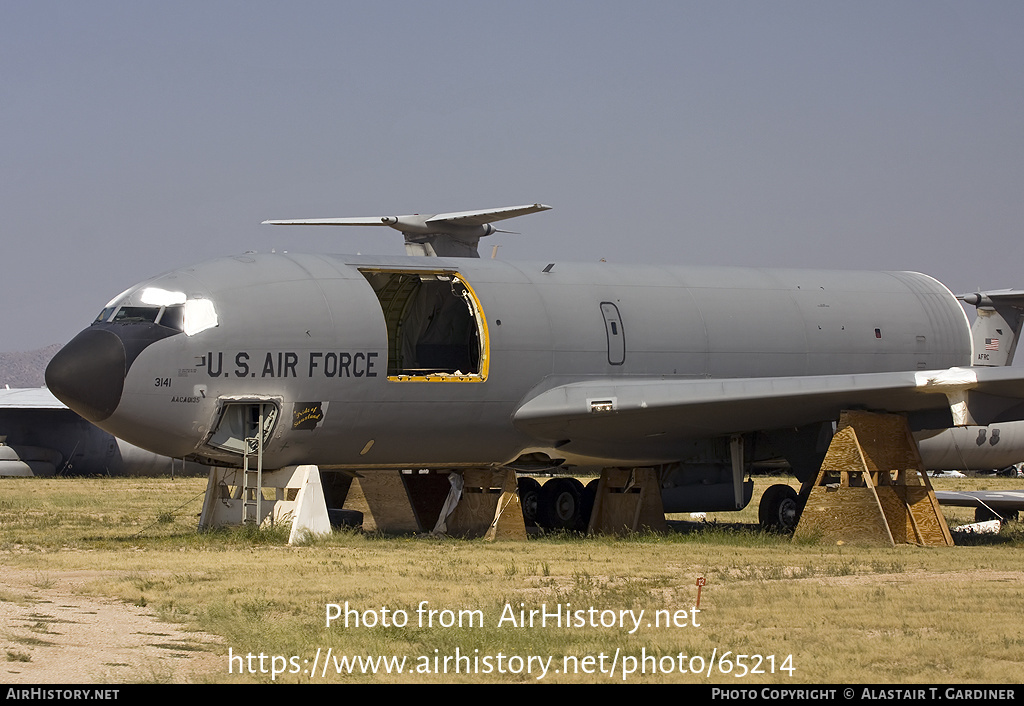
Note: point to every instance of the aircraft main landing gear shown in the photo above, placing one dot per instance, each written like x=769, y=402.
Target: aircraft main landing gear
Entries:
x=561, y=505
x=779, y=510
x=529, y=499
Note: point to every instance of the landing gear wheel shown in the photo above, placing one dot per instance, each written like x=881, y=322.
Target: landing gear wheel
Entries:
x=345, y=519
x=529, y=499
x=983, y=514
x=561, y=504
x=779, y=510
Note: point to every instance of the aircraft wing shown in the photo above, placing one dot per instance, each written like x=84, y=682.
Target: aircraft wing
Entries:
x=593, y=414
x=29, y=398
x=997, y=500
x=455, y=234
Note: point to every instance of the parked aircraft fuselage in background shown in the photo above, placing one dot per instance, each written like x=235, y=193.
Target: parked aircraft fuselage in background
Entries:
x=39, y=436
x=994, y=447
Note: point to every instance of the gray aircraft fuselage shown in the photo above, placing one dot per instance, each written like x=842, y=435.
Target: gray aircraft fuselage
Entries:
x=397, y=362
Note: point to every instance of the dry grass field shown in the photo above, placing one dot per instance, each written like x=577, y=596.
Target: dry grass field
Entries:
x=107, y=580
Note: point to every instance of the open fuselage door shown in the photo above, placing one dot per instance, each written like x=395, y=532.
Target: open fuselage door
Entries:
x=436, y=328
x=238, y=427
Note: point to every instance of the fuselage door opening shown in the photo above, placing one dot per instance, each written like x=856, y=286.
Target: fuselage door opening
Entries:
x=240, y=421
x=436, y=328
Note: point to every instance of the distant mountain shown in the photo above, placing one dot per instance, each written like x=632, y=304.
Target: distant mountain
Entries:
x=26, y=369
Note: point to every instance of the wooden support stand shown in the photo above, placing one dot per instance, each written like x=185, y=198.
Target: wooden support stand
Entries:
x=393, y=501
x=628, y=500
x=384, y=500
x=872, y=487
x=489, y=507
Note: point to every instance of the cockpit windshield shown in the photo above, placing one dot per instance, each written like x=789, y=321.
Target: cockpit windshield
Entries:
x=190, y=317
x=169, y=316
x=105, y=315
x=173, y=317
x=137, y=314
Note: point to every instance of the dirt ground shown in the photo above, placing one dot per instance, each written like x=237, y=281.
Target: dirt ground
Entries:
x=52, y=634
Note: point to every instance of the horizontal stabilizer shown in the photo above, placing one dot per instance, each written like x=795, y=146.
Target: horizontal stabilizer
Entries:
x=442, y=234
x=489, y=215
x=992, y=297
x=371, y=221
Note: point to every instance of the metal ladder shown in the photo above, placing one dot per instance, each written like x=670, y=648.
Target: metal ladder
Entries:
x=252, y=479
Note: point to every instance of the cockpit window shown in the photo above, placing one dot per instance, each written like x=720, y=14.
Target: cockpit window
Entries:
x=105, y=314
x=191, y=316
x=136, y=314
x=170, y=316
x=173, y=317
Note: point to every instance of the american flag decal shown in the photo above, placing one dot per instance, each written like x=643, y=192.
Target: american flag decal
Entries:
x=991, y=344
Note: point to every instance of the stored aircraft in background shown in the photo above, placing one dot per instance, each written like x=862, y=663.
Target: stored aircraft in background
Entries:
x=998, y=447
x=360, y=363
x=987, y=504
x=40, y=436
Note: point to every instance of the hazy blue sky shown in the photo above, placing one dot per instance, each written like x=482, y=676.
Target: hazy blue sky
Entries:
x=141, y=136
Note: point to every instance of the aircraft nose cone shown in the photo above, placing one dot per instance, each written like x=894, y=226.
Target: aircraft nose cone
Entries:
x=88, y=373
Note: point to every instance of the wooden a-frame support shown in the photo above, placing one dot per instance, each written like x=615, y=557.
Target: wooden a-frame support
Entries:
x=489, y=506
x=485, y=505
x=872, y=487
x=628, y=500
